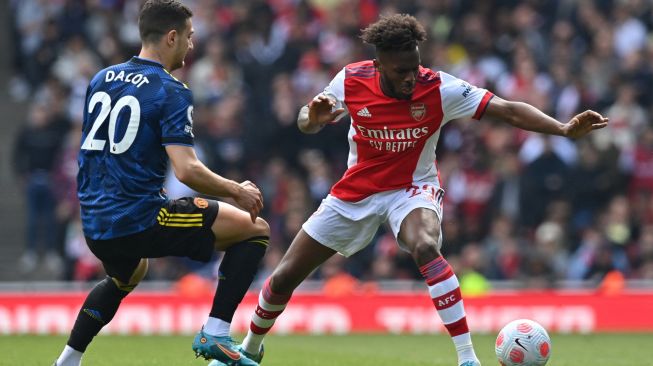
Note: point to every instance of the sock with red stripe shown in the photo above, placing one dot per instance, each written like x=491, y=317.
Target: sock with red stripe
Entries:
x=445, y=293
x=270, y=306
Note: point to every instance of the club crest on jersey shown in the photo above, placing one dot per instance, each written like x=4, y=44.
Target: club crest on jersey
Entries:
x=200, y=202
x=418, y=111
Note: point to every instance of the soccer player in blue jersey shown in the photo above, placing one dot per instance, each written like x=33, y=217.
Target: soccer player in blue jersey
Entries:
x=137, y=118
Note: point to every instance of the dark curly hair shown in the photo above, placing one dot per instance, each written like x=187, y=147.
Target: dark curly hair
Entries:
x=397, y=32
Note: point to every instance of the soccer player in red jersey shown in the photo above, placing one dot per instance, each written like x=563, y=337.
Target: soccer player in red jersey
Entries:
x=397, y=110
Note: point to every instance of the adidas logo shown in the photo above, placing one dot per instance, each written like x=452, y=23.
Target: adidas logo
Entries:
x=364, y=113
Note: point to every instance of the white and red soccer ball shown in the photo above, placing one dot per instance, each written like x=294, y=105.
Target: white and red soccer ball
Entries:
x=523, y=342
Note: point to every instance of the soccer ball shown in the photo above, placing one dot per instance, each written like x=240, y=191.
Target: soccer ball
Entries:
x=523, y=342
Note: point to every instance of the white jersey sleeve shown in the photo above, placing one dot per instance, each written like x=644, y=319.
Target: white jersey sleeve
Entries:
x=336, y=91
x=461, y=99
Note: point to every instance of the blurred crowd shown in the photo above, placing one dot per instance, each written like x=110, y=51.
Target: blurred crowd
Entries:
x=519, y=206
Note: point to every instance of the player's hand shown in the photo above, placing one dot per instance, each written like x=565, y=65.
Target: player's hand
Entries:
x=250, y=199
x=320, y=110
x=583, y=123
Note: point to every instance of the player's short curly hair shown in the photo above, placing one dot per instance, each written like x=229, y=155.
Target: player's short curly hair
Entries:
x=158, y=17
x=397, y=32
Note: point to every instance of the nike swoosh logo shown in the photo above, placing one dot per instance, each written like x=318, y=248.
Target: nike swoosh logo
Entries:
x=520, y=345
x=231, y=354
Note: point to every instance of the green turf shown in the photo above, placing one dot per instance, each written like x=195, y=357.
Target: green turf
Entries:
x=359, y=350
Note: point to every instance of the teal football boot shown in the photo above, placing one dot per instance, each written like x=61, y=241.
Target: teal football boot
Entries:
x=239, y=348
x=221, y=349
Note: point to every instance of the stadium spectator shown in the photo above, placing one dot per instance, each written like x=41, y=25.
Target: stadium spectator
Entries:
x=34, y=157
x=503, y=251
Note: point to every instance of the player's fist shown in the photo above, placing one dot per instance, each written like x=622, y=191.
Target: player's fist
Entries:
x=249, y=197
x=320, y=110
x=583, y=123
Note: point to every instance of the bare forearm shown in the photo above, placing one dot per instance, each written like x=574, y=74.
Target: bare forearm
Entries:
x=201, y=179
x=305, y=124
x=529, y=118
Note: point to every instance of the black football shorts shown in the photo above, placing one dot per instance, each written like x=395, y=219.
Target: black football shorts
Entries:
x=183, y=229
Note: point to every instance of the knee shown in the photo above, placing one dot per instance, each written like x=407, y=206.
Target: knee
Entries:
x=261, y=228
x=426, y=249
x=281, y=282
x=135, y=279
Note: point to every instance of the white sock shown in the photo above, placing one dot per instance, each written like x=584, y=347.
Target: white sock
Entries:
x=252, y=342
x=464, y=348
x=216, y=327
x=70, y=357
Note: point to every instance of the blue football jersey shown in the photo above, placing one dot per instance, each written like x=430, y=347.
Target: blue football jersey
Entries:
x=132, y=111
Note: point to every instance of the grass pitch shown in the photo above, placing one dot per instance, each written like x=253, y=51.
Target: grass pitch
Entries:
x=353, y=350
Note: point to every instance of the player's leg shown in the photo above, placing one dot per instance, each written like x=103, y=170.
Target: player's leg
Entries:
x=303, y=257
x=420, y=234
x=101, y=305
x=336, y=226
x=244, y=244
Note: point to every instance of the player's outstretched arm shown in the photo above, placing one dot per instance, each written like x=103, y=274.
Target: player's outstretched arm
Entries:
x=314, y=116
x=527, y=117
x=193, y=173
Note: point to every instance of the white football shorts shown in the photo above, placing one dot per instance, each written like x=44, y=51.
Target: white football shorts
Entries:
x=348, y=227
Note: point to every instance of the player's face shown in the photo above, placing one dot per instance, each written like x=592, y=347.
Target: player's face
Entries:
x=398, y=72
x=183, y=45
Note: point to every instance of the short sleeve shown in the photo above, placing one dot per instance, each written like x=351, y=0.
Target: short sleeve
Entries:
x=336, y=91
x=461, y=99
x=177, y=118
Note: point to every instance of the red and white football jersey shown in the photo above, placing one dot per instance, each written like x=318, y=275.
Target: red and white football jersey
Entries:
x=392, y=142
